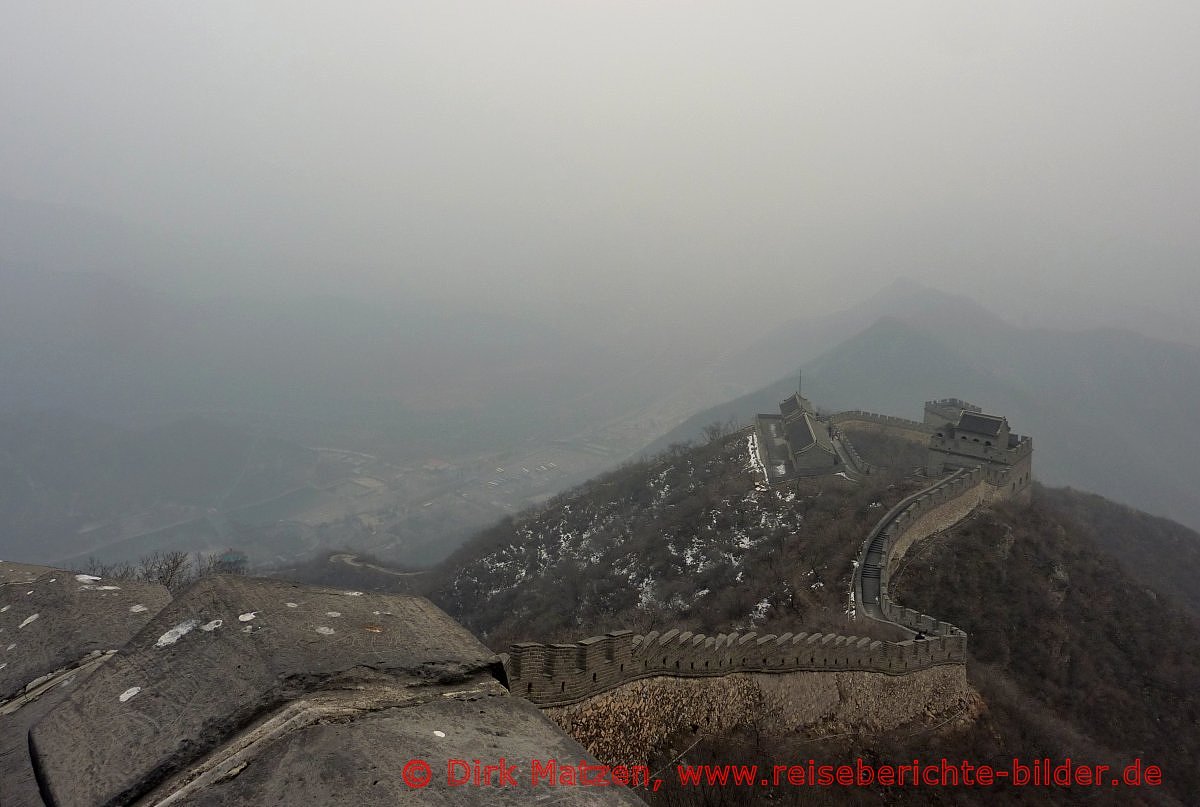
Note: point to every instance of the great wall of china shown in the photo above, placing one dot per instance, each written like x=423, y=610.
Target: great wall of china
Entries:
x=560, y=675
x=114, y=693
x=859, y=417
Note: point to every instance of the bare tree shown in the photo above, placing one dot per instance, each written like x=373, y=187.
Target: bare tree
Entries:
x=720, y=429
x=171, y=569
x=113, y=571
x=204, y=565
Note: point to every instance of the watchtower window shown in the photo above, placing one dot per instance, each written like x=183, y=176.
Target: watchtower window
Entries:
x=987, y=442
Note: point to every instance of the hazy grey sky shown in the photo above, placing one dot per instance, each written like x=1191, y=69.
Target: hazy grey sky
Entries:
x=627, y=157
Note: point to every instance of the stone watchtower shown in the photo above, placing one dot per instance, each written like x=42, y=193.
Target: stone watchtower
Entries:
x=946, y=410
x=795, y=442
x=966, y=437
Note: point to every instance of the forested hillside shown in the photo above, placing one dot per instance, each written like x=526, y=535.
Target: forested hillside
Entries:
x=691, y=538
x=1110, y=411
x=1073, y=650
x=1083, y=657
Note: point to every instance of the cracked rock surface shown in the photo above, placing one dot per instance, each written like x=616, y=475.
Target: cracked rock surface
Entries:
x=246, y=690
x=50, y=619
x=56, y=629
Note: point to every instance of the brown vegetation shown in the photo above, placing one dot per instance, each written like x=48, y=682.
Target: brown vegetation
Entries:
x=1059, y=628
x=1073, y=655
x=685, y=540
x=886, y=450
x=174, y=570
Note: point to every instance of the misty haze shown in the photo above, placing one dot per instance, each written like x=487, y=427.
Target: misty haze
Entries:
x=367, y=341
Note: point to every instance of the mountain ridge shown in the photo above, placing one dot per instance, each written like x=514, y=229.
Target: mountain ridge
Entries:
x=1111, y=409
x=783, y=562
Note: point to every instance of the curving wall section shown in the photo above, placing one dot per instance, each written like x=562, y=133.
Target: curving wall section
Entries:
x=931, y=510
x=860, y=416
x=857, y=463
x=562, y=674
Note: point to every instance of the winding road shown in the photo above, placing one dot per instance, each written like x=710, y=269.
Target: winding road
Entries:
x=352, y=560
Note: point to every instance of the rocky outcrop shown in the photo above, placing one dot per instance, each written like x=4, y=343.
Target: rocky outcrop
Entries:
x=56, y=629
x=52, y=620
x=247, y=690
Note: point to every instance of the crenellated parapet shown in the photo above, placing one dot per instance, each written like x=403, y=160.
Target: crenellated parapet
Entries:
x=856, y=462
x=955, y=405
x=1022, y=447
x=562, y=674
x=946, y=410
x=930, y=510
x=971, y=438
x=552, y=675
x=860, y=416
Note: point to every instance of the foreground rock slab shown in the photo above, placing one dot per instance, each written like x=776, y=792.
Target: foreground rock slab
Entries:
x=56, y=629
x=258, y=691
x=50, y=619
